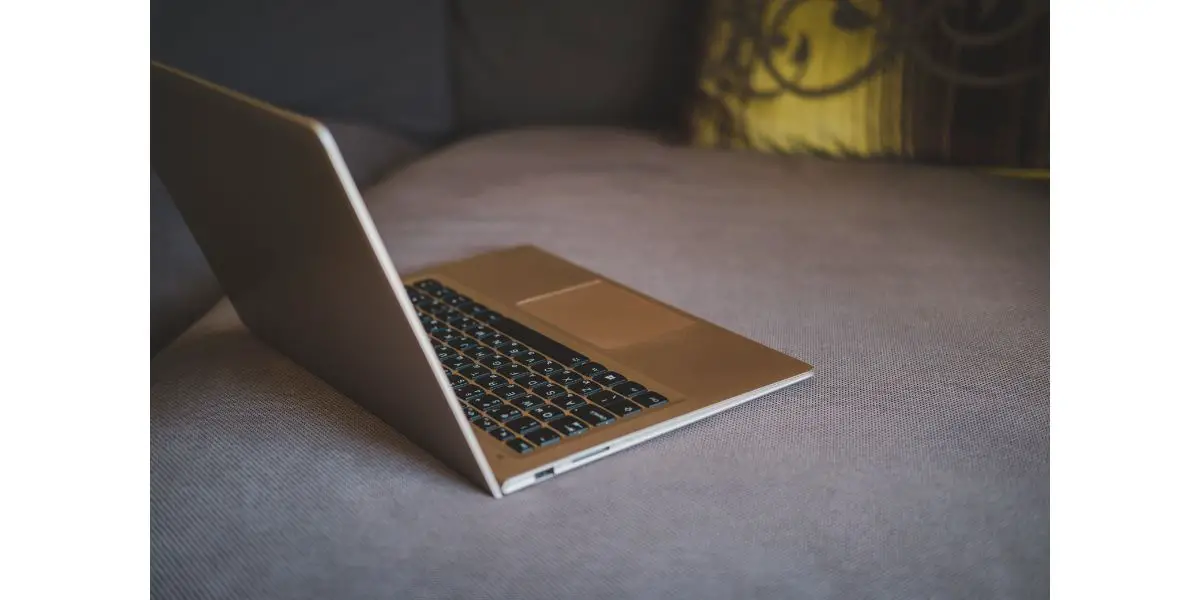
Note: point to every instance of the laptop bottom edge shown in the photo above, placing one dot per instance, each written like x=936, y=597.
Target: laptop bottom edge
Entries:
x=524, y=480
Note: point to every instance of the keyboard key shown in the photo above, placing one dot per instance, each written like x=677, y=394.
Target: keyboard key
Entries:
x=550, y=392
x=521, y=446
x=514, y=349
x=569, y=402
x=591, y=369
x=586, y=387
x=485, y=402
x=512, y=371
x=423, y=303
x=650, y=399
x=428, y=285
x=546, y=412
x=457, y=381
x=530, y=381
x=457, y=362
x=622, y=408
x=593, y=415
x=427, y=320
x=443, y=351
x=471, y=413
x=435, y=329
x=475, y=310
x=440, y=292
x=505, y=347
x=539, y=342
x=413, y=294
x=445, y=335
x=566, y=377
x=527, y=357
x=498, y=341
x=523, y=424
x=610, y=378
x=605, y=397
x=569, y=426
x=456, y=320
x=502, y=434
x=488, y=317
x=456, y=300
x=629, y=388
x=468, y=392
x=542, y=437
x=527, y=402
x=439, y=324
x=480, y=354
x=464, y=344
x=486, y=424
x=496, y=361
x=547, y=368
x=504, y=413
x=480, y=333
x=490, y=380
x=472, y=371
x=438, y=309
x=509, y=392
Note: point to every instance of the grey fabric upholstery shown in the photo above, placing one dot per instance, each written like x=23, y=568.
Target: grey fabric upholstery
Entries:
x=377, y=61
x=577, y=62
x=370, y=153
x=183, y=288
x=914, y=465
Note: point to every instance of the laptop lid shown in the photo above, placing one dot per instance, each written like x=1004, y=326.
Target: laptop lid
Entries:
x=275, y=211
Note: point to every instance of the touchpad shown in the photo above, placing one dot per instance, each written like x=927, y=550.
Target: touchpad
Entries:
x=604, y=314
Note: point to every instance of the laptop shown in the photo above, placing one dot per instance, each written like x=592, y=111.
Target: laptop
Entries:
x=511, y=367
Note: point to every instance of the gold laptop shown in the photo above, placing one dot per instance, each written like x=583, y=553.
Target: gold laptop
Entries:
x=511, y=367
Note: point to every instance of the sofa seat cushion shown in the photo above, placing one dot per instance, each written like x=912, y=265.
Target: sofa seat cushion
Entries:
x=915, y=464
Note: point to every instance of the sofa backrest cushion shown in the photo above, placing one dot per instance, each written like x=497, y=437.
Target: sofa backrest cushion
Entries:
x=578, y=62
x=380, y=62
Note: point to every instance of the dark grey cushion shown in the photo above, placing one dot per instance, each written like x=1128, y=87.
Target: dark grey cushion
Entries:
x=576, y=62
x=915, y=464
x=380, y=62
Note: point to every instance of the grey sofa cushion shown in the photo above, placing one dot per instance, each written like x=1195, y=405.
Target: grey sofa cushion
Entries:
x=914, y=465
x=578, y=62
x=380, y=62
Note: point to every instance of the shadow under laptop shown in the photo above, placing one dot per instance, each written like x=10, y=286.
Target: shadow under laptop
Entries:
x=229, y=411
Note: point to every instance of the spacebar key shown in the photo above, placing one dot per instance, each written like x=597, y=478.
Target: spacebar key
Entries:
x=538, y=342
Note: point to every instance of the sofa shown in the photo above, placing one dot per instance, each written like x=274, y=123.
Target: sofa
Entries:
x=914, y=464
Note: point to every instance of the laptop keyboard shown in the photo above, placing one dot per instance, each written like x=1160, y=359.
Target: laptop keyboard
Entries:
x=516, y=384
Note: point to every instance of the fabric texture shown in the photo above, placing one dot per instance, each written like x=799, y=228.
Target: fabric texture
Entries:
x=962, y=83
x=380, y=62
x=370, y=153
x=915, y=464
x=629, y=63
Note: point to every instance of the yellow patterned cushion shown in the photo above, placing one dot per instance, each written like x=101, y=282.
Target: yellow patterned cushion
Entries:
x=961, y=82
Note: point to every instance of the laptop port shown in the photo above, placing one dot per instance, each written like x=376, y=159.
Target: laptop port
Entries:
x=544, y=474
